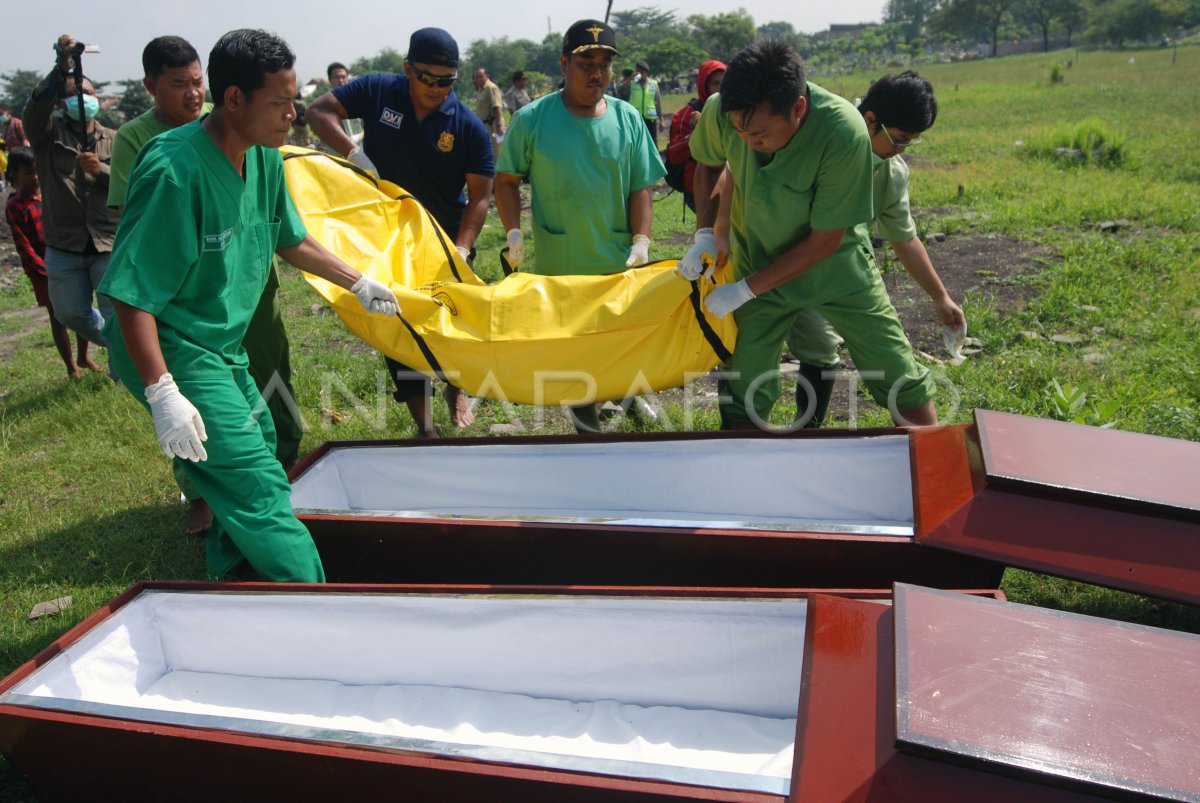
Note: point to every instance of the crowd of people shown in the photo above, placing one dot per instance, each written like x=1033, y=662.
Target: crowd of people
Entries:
x=157, y=242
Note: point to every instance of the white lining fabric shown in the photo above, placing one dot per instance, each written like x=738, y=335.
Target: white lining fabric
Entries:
x=682, y=683
x=761, y=483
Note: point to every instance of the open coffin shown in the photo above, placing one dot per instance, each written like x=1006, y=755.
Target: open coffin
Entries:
x=827, y=509
x=947, y=697
x=832, y=508
x=211, y=691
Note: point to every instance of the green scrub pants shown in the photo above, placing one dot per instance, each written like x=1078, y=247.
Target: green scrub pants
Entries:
x=266, y=346
x=874, y=336
x=244, y=484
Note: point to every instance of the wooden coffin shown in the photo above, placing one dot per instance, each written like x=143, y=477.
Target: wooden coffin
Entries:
x=204, y=691
x=947, y=697
x=940, y=506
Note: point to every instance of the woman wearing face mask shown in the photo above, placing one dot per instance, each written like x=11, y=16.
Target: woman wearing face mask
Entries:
x=73, y=152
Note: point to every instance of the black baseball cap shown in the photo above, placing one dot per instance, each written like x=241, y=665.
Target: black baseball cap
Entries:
x=589, y=35
x=433, y=46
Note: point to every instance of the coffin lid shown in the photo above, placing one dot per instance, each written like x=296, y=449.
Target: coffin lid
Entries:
x=1118, y=509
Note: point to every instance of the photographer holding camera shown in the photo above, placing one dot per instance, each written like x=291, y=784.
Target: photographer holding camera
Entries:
x=73, y=153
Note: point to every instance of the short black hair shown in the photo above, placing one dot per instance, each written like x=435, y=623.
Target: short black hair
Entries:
x=337, y=65
x=19, y=157
x=167, y=53
x=903, y=101
x=518, y=75
x=243, y=58
x=768, y=70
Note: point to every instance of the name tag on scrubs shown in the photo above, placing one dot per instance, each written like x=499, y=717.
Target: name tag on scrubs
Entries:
x=216, y=242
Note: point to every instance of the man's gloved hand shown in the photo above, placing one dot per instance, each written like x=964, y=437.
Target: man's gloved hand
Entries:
x=516, y=248
x=639, y=252
x=692, y=264
x=728, y=297
x=177, y=422
x=375, y=296
x=358, y=157
x=464, y=252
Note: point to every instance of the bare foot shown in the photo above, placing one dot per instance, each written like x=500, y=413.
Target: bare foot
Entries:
x=460, y=407
x=74, y=373
x=91, y=365
x=199, y=518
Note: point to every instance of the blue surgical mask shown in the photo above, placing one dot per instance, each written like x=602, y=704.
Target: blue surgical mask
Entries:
x=3, y=119
x=90, y=107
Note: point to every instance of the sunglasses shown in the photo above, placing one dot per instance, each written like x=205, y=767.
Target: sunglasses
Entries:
x=899, y=145
x=429, y=79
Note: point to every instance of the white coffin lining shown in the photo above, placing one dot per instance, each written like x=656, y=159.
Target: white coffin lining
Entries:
x=689, y=690
x=827, y=484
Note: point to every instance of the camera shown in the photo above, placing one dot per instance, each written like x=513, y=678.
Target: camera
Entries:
x=75, y=49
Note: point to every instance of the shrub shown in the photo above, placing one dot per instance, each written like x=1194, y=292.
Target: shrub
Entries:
x=1089, y=141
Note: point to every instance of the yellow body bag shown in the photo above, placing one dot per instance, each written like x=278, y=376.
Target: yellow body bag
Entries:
x=529, y=339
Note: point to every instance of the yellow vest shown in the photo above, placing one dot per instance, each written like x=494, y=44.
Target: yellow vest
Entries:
x=642, y=98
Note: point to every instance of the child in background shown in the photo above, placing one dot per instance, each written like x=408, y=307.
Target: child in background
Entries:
x=24, y=214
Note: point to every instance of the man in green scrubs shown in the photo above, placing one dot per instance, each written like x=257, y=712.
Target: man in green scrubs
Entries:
x=799, y=161
x=592, y=168
x=897, y=110
x=205, y=209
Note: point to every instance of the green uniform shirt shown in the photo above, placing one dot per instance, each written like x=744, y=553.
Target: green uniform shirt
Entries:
x=195, y=244
x=893, y=218
x=582, y=171
x=820, y=180
x=130, y=139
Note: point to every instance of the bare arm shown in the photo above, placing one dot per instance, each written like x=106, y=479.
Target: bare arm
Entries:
x=479, y=192
x=916, y=261
x=641, y=211
x=324, y=118
x=508, y=200
x=309, y=255
x=139, y=329
x=799, y=259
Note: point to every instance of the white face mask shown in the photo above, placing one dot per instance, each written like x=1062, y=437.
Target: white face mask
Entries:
x=90, y=107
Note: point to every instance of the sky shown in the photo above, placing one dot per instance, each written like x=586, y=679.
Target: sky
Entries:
x=321, y=32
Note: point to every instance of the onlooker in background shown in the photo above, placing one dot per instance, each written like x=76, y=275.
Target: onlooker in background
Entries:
x=489, y=105
x=591, y=168
x=684, y=123
x=23, y=211
x=644, y=96
x=299, y=133
x=516, y=98
x=424, y=139
x=73, y=155
x=338, y=75
x=12, y=130
x=625, y=84
x=897, y=110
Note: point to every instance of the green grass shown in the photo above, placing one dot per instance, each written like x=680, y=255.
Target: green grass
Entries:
x=88, y=506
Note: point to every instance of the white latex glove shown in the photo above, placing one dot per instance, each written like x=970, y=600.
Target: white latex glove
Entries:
x=177, y=422
x=692, y=264
x=516, y=248
x=463, y=252
x=955, y=337
x=639, y=252
x=375, y=296
x=358, y=157
x=728, y=297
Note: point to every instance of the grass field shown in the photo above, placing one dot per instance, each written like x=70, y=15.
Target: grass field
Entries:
x=88, y=506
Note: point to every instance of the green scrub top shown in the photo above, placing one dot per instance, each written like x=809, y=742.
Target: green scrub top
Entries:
x=582, y=171
x=893, y=218
x=194, y=247
x=129, y=141
x=821, y=179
